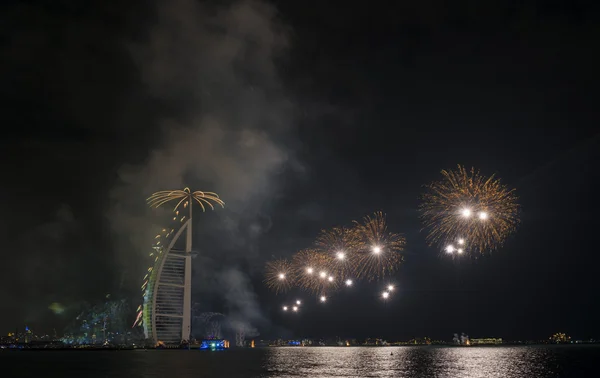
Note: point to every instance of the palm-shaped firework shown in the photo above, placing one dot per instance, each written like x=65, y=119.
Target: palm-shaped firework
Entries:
x=185, y=197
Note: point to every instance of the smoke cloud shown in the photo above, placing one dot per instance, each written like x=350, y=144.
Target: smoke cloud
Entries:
x=224, y=114
x=242, y=305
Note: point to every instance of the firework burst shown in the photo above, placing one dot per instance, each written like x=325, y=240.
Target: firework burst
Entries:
x=310, y=267
x=466, y=211
x=378, y=254
x=184, y=197
x=279, y=276
x=340, y=244
x=341, y=257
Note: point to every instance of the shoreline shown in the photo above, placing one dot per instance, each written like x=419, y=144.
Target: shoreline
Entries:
x=96, y=349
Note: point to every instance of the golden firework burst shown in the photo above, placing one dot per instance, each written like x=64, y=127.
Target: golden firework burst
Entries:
x=310, y=267
x=468, y=212
x=340, y=244
x=279, y=276
x=378, y=253
x=342, y=255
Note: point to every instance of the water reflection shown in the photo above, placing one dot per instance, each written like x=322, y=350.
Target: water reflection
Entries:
x=472, y=362
x=313, y=362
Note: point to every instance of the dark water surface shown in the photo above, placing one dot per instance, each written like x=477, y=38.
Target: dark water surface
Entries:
x=315, y=362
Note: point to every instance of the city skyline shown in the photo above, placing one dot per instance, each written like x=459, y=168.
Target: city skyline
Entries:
x=107, y=337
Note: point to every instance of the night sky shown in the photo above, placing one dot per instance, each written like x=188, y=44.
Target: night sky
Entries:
x=302, y=116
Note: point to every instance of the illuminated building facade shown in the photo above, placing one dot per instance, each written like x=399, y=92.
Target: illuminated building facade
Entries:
x=166, y=314
x=167, y=296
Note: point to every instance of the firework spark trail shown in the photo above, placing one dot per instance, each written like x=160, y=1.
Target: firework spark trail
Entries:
x=467, y=211
x=185, y=197
x=279, y=276
x=379, y=250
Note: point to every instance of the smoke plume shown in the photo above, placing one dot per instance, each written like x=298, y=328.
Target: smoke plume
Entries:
x=223, y=116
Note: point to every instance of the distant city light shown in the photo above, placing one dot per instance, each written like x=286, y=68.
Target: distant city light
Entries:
x=348, y=282
x=295, y=308
x=461, y=241
x=466, y=213
x=483, y=215
x=323, y=298
x=450, y=249
x=376, y=250
x=341, y=255
x=391, y=288
x=281, y=276
x=298, y=302
x=323, y=274
x=460, y=250
x=385, y=295
x=285, y=308
x=309, y=270
x=330, y=278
